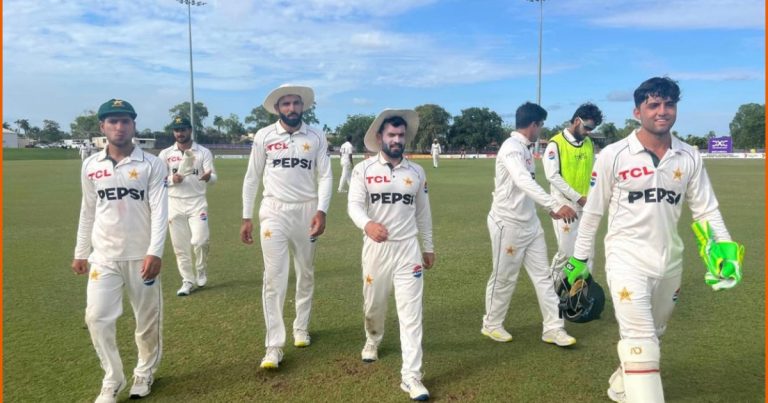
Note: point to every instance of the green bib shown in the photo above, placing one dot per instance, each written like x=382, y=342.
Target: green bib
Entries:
x=575, y=162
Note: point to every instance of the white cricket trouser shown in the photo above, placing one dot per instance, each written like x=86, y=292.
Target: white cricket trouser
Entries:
x=642, y=304
x=397, y=263
x=566, y=234
x=284, y=231
x=105, y=304
x=435, y=159
x=346, y=174
x=510, y=251
x=188, y=225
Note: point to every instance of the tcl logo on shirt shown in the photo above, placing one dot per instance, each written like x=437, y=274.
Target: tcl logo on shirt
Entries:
x=174, y=158
x=634, y=173
x=655, y=195
x=101, y=173
x=378, y=179
x=277, y=146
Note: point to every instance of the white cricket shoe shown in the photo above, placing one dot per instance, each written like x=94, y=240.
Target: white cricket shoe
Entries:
x=558, y=337
x=415, y=389
x=109, y=393
x=142, y=386
x=499, y=334
x=186, y=289
x=202, y=278
x=301, y=338
x=272, y=358
x=370, y=352
x=616, y=388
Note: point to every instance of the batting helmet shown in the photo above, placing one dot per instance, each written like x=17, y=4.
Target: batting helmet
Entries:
x=582, y=302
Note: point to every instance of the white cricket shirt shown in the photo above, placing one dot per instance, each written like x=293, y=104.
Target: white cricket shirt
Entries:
x=436, y=150
x=395, y=197
x=644, y=204
x=346, y=151
x=295, y=167
x=124, y=209
x=191, y=186
x=516, y=192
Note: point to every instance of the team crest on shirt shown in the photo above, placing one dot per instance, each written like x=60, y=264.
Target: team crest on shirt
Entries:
x=551, y=155
x=306, y=147
x=593, y=179
x=133, y=174
x=203, y=216
x=417, y=271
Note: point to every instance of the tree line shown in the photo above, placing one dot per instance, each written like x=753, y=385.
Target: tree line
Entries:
x=473, y=130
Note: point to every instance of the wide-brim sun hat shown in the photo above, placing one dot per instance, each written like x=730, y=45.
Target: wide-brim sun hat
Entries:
x=410, y=116
x=306, y=94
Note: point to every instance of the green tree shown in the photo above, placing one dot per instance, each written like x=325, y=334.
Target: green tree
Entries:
x=629, y=126
x=51, y=131
x=182, y=109
x=85, y=126
x=218, y=121
x=259, y=118
x=609, y=133
x=476, y=128
x=23, y=124
x=698, y=142
x=233, y=127
x=6, y=125
x=355, y=126
x=434, y=122
x=308, y=117
x=748, y=127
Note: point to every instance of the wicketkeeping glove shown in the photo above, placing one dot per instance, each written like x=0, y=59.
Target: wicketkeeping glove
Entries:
x=575, y=269
x=722, y=259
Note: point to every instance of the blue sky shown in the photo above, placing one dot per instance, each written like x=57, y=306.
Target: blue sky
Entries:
x=61, y=58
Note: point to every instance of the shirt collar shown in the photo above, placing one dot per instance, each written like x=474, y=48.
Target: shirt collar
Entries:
x=136, y=155
x=281, y=129
x=570, y=137
x=520, y=137
x=192, y=147
x=403, y=163
x=636, y=147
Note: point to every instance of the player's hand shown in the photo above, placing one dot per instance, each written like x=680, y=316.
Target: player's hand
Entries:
x=177, y=178
x=376, y=231
x=554, y=215
x=246, y=231
x=582, y=201
x=151, y=267
x=80, y=266
x=567, y=214
x=575, y=269
x=429, y=259
x=206, y=176
x=317, y=227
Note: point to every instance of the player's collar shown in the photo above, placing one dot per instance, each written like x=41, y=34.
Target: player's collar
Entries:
x=136, y=155
x=520, y=137
x=403, y=162
x=571, y=138
x=192, y=147
x=281, y=130
x=635, y=147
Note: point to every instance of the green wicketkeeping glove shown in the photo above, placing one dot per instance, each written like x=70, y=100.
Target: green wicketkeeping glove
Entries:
x=722, y=259
x=575, y=269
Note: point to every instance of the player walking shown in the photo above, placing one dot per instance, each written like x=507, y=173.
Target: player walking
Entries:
x=123, y=221
x=643, y=181
x=568, y=161
x=435, y=151
x=388, y=200
x=191, y=170
x=516, y=235
x=346, y=164
x=293, y=161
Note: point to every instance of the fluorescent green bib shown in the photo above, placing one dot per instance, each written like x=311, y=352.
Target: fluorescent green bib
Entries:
x=575, y=162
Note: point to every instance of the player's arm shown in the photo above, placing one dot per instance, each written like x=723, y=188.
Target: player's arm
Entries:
x=722, y=257
x=85, y=224
x=251, y=183
x=357, y=206
x=209, y=172
x=158, y=205
x=551, y=162
x=324, y=175
x=424, y=223
x=514, y=162
x=164, y=158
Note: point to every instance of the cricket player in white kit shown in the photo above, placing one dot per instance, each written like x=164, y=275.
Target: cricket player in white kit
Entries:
x=121, y=234
x=346, y=152
x=516, y=235
x=435, y=151
x=643, y=181
x=292, y=159
x=568, y=161
x=388, y=200
x=190, y=172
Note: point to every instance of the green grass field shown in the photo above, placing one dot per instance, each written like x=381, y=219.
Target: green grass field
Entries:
x=213, y=340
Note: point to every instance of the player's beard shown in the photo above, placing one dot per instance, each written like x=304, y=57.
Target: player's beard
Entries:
x=396, y=154
x=185, y=138
x=293, y=121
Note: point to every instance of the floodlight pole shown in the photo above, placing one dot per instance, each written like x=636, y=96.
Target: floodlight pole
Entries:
x=538, y=84
x=189, y=4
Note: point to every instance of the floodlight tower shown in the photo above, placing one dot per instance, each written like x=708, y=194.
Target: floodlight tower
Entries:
x=189, y=4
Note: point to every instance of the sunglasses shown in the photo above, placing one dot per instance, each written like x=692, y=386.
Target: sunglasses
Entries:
x=586, y=126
